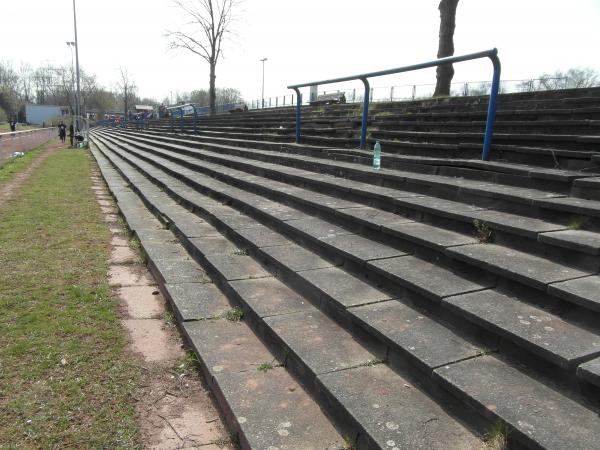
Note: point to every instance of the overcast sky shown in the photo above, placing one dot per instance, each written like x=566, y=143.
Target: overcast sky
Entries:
x=303, y=40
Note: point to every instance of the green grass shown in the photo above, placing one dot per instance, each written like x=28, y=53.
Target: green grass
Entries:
x=65, y=379
x=5, y=126
x=13, y=166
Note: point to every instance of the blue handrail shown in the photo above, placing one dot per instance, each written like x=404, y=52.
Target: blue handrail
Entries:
x=180, y=108
x=489, y=127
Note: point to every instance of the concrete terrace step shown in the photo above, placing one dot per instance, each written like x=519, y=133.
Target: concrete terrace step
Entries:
x=502, y=391
x=407, y=203
x=287, y=320
x=403, y=231
x=345, y=390
x=528, y=153
x=328, y=238
x=275, y=410
x=494, y=166
x=365, y=172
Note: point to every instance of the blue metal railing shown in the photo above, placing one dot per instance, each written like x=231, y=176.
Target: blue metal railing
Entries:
x=181, y=113
x=489, y=127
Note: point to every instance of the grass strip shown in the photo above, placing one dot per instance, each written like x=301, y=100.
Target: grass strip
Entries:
x=65, y=378
x=12, y=166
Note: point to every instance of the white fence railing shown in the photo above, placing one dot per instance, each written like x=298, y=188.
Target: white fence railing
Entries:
x=23, y=141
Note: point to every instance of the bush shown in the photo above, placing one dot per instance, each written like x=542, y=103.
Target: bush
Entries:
x=3, y=116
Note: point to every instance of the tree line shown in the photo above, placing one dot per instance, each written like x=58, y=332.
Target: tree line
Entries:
x=49, y=84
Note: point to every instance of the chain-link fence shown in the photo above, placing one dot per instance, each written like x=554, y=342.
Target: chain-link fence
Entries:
x=416, y=91
x=22, y=141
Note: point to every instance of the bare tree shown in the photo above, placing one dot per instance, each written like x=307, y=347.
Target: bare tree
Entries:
x=210, y=23
x=445, y=72
x=127, y=89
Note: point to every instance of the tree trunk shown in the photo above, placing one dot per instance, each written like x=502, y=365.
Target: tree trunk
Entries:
x=445, y=73
x=211, y=90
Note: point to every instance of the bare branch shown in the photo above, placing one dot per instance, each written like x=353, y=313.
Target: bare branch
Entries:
x=209, y=23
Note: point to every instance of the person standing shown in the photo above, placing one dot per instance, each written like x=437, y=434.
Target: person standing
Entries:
x=13, y=125
x=71, y=133
x=62, y=132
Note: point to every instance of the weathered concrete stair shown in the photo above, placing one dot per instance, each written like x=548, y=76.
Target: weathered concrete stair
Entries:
x=444, y=241
x=323, y=362
x=265, y=409
x=381, y=331
x=463, y=213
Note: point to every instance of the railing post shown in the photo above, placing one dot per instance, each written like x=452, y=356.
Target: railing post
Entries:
x=298, y=112
x=489, y=126
x=172, y=121
x=195, y=119
x=365, y=115
x=181, y=120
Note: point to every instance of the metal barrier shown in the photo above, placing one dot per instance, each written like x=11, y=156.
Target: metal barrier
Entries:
x=23, y=141
x=181, y=109
x=489, y=127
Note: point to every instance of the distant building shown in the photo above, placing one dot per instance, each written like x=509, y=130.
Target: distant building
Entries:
x=39, y=114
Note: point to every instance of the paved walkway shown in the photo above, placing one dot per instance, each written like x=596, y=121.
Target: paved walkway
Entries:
x=174, y=408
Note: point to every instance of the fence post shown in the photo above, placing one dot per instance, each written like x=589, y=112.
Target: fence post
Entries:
x=195, y=119
x=414, y=91
x=363, y=130
x=298, y=112
x=392, y=94
x=489, y=126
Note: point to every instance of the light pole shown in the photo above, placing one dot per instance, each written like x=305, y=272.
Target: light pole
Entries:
x=263, y=83
x=77, y=106
x=71, y=44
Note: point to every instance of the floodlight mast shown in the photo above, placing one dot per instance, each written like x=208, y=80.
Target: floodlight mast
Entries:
x=77, y=102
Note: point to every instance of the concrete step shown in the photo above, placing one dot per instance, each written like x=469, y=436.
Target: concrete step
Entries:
x=502, y=391
x=535, y=154
x=276, y=410
x=505, y=225
x=347, y=388
x=504, y=172
x=286, y=320
x=314, y=163
x=329, y=239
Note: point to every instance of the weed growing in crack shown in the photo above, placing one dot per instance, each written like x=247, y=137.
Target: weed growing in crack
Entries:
x=135, y=243
x=483, y=232
x=169, y=318
x=240, y=252
x=496, y=437
x=188, y=364
x=266, y=366
x=235, y=314
x=576, y=222
x=348, y=443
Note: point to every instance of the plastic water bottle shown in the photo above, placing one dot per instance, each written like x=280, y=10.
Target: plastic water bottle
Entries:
x=377, y=156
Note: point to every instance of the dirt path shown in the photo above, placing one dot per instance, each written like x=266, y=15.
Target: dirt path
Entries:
x=11, y=189
x=175, y=410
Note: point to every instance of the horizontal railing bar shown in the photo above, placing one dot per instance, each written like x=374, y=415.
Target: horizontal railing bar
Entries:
x=434, y=63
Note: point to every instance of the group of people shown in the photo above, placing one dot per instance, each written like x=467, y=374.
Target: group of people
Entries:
x=62, y=133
